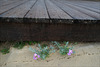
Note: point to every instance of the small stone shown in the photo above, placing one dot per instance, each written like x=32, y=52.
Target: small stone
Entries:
x=89, y=54
x=68, y=57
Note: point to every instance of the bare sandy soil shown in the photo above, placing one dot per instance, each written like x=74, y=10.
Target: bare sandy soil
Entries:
x=87, y=55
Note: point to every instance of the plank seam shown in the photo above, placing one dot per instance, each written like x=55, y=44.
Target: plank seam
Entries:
x=47, y=11
x=64, y=11
x=30, y=8
x=8, y=4
x=79, y=10
x=13, y=7
x=84, y=7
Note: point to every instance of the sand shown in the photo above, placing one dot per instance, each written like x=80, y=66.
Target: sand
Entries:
x=87, y=55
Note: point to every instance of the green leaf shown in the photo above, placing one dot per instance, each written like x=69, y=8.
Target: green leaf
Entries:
x=73, y=52
x=30, y=48
x=45, y=47
x=30, y=43
x=70, y=48
x=67, y=43
x=39, y=46
x=52, y=51
x=43, y=56
x=51, y=47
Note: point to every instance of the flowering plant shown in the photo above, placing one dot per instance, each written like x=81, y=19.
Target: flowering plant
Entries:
x=42, y=52
x=63, y=50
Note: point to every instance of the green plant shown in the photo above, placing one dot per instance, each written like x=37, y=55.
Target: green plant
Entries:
x=4, y=51
x=75, y=43
x=44, y=45
x=57, y=44
x=19, y=45
x=35, y=42
x=43, y=52
x=63, y=50
x=29, y=42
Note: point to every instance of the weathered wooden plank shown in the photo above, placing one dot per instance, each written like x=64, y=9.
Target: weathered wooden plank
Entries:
x=4, y=2
x=11, y=6
x=7, y=2
x=19, y=11
x=95, y=5
x=82, y=6
x=56, y=12
x=38, y=10
x=72, y=12
x=85, y=11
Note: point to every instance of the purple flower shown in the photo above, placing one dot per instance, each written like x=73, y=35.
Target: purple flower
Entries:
x=36, y=56
x=70, y=51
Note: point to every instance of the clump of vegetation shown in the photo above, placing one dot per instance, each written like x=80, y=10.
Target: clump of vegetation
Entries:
x=32, y=42
x=36, y=42
x=19, y=45
x=44, y=45
x=29, y=42
x=63, y=50
x=43, y=52
x=4, y=50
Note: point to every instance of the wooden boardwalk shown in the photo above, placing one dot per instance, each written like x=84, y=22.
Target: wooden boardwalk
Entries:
x=49, y=20
x=50, y=9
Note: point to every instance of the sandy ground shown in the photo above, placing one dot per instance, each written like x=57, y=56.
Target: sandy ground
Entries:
x=87, y=55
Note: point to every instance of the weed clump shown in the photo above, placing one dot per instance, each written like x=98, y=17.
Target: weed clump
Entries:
x=19, y=45
x=43, y=52
x=4, y=50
